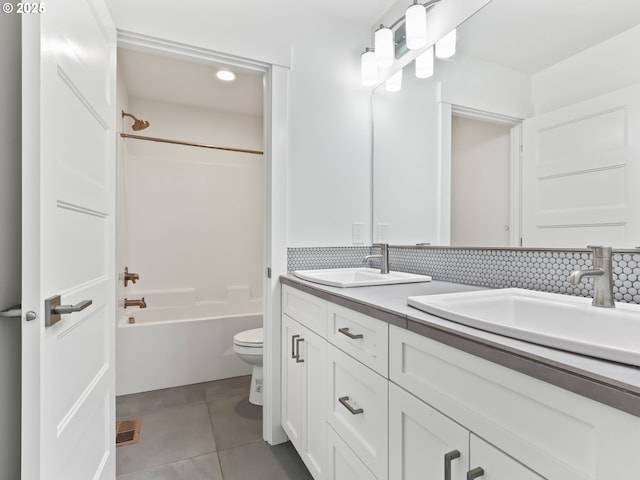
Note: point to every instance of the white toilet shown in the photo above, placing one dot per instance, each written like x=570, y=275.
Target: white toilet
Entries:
x=248, y=346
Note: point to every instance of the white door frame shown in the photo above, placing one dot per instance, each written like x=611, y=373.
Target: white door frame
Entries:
x=275, y=247
x=447, y=111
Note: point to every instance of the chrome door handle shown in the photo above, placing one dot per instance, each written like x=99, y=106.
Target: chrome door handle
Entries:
x=354, y=411
x=298, y=340
x=447, y=463
x=353, y=336
x=475, y=473
x=12, y=312
x=53, y=310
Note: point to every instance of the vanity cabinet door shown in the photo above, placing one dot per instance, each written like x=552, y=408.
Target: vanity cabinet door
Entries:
x=496, y=465
x=423, y=443
x=342, y=463
x=303, y=393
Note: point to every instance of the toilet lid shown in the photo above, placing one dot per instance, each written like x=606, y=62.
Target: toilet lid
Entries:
x=251, y=338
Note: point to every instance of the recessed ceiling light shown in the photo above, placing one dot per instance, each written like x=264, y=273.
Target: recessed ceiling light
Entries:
x=226, y=75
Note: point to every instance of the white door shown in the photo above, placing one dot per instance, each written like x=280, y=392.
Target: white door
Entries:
x=580, y=174
x=68, y=400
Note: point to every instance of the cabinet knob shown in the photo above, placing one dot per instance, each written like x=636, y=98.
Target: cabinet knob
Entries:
x=475, y=473
x=298, y=359
x=448, y=457
x=354, y=411
x=353, y=336
x=293, y=345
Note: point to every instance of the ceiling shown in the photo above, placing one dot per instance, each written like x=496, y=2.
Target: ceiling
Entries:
x=531, y=35
x=525, y=35
x=169, y=79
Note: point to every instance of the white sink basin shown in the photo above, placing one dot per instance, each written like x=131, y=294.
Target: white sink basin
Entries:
x=358, y=277
x=554, y=320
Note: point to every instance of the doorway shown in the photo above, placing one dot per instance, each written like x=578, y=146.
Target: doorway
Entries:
x=191, y=179
x=484, y=181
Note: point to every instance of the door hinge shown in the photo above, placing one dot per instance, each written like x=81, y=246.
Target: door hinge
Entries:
x=268, y=272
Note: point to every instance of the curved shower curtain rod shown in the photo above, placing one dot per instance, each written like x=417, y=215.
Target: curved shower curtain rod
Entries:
x=190, y=144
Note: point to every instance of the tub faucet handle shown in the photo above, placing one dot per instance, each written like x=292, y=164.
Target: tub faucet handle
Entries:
x=130, y=277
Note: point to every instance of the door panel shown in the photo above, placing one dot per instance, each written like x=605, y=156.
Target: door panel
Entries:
x=581, y=166
x=68, y=241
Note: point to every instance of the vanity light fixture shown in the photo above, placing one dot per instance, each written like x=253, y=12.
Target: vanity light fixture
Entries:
x=394, y=82
x=424, y=64
x=408, y=32
x=369, y=67
x=416, y=26
x=384, y=46
x=226, y=75
x=446, y=47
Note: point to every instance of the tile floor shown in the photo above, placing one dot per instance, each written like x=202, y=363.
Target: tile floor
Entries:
x=207, y=431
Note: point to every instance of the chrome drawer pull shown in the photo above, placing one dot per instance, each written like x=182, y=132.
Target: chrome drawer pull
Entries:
x=345, y=331
x=298, y=359
x=293, y=345
x=475, y=473
x=447, y=463
x=354, y=411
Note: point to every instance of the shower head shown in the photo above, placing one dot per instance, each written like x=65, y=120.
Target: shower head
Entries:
x=137, y=124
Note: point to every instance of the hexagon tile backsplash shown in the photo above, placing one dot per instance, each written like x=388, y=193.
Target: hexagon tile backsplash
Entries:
x=535, y=269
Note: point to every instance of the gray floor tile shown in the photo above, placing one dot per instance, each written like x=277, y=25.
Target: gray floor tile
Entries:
x=235, y=421
x=167, y=435
x=128, y=406
x=259, y=461
x=229, y=387
x=204, y=467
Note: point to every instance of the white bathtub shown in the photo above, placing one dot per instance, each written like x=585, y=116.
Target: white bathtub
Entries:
x=181, y=345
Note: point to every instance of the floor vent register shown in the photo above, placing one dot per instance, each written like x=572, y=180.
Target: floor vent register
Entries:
x=127, y=432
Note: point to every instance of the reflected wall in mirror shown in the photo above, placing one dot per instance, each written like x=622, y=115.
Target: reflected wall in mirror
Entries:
x=558, y=78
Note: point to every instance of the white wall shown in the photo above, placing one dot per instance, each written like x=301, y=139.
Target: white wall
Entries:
x=329, y=111
x=10, y=191
x=608, y=66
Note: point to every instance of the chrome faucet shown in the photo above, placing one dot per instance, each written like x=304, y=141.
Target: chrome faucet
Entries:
x=383, y=256
x=135, y=303
x=602, y=273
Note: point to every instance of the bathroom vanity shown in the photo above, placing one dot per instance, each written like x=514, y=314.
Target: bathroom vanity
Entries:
x=374, y=389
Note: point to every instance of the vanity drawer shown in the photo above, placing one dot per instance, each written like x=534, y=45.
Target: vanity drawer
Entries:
x=358, y=409
x=364, y=338
x=308, y=310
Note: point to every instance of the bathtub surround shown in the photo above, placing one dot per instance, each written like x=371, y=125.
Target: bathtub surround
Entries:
x=533, y=269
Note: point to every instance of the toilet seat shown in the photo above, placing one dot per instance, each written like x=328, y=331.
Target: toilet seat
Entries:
x=249, y=338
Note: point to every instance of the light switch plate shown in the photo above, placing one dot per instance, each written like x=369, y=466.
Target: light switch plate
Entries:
x=357, y=233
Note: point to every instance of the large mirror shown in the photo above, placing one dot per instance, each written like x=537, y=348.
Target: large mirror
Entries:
x=528, y=136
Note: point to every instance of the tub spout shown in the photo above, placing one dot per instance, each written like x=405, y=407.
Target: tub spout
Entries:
x=135, y=303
